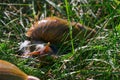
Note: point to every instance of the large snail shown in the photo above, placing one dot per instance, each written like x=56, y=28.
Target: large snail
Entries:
x=8, y=71
x=55, y=30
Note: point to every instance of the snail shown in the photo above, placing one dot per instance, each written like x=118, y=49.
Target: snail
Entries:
x=9, y=71
x=54, y=30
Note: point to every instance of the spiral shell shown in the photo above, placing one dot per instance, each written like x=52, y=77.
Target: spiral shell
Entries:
x=55, y=30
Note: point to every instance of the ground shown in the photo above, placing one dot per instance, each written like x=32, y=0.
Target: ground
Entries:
x=97, y=59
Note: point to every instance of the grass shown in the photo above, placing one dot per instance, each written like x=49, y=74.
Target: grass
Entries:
x=98, y=59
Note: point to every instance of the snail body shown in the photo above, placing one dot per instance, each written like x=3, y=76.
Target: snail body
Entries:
x=55, y=30
x=8, y=71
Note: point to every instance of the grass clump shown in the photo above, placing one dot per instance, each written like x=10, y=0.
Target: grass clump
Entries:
x=98, y=59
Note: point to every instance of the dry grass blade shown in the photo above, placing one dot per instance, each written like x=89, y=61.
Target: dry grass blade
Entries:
x=54, y=5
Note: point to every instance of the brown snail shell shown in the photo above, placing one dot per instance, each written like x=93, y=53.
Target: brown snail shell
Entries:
x=54, y=30
x=9, y=71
